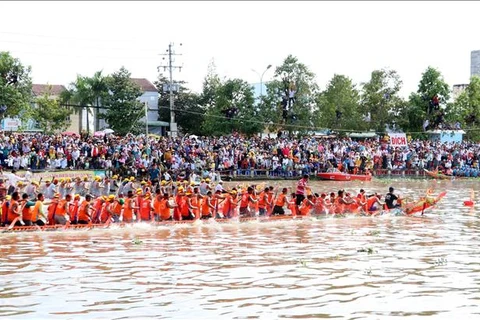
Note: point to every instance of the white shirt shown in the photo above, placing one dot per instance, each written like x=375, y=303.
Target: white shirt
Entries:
x=13, y=178
x=219, y=187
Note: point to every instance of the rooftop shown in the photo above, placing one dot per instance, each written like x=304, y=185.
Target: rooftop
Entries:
x=53, y=89
x=145, y=85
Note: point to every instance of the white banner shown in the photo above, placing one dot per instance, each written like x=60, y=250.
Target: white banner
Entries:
x=398, y=139
x=9, y=124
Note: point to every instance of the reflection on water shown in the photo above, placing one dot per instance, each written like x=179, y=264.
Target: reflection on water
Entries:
x=349, y=268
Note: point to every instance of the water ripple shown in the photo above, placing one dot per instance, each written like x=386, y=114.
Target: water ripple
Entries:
x=348, y=268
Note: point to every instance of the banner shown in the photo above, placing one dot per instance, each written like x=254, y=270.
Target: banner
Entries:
x=59, y=174
x=10, y=124
x=398, y=139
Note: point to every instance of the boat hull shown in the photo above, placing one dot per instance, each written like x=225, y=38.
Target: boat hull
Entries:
x=340, y=176
x=438, y=175
x=109, y=225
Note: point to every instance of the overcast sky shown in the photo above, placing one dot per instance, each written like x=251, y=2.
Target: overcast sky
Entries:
x=62, y=39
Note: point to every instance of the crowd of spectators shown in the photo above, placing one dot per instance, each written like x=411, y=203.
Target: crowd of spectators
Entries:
x=231, y=155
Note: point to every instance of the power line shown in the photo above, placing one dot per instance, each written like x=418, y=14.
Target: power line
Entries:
x=284, y=125
x=69, y=37
x=98, y=48
x=79, y=56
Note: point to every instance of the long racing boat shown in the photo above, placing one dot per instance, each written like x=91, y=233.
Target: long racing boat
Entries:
x=407, y=210
x=336, y=175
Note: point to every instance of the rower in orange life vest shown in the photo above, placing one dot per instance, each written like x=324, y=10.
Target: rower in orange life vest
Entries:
x=353, y=207
x=74, y=205
x=183, y=204
x=223, y=201
x=280, y=202
x=270, y=200
x=263, y=202
x=52, y=208
x=180, y=201
x=127, y=215
x=197, y=199
x=362, y=198
x=98, y=206
x=146, y=208
x=340, y=205
x=253, y=205
x=105, y=213
x=307, y=205
x=138, y=203
x=193, y=207
x=27, y=212
x=62, y=213
x=115, y=208
x=164, y=208
x=247, y=198
x=292, y=204
x=320, y=205
x=230, y=204
x=14, y=209
x=84, y=211
x=373, y=204
x=208, y=206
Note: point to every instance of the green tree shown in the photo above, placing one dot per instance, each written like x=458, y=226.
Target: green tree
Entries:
x=50, y=115
x=339, y=105
x=466, y=109
x=99, y=90
x=87, y=92
x=15, y=85
x=380, y=99
x=297, y=113
x=188, y=111
x=233, y=110
x=421, y=105
x=124, y=111
x=211, y=83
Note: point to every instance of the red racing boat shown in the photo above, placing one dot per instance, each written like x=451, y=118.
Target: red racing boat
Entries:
x=335, y=175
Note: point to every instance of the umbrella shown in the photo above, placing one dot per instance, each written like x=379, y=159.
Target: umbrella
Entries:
x=69, y=133
x=99, y=134
x=108, y=131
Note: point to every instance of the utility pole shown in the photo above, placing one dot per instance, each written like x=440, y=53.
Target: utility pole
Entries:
x=170, y=53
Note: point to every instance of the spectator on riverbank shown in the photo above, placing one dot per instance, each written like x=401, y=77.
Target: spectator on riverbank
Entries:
x=180, y=158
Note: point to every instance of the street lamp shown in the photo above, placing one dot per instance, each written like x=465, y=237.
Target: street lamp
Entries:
x=261, y=78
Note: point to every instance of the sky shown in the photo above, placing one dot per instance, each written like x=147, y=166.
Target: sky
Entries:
x=62, y=39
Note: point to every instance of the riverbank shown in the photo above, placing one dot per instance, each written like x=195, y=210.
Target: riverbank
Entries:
x=235, y=175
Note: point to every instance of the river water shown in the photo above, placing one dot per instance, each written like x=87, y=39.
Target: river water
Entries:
x=342, y=268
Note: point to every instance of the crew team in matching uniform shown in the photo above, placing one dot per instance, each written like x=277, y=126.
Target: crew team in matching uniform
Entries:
x=83, y=202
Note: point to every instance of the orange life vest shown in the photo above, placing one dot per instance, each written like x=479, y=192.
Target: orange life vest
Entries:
x=27, y=213
x=127, y=210
x=164, y=210
x=206, y=210
x=305, y=207
x=145, y=209
x=52, y=208
x=12, y=215
x=83, y=214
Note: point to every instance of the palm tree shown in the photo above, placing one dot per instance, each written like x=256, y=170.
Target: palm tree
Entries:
x=99, y=88
x=88, y=91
